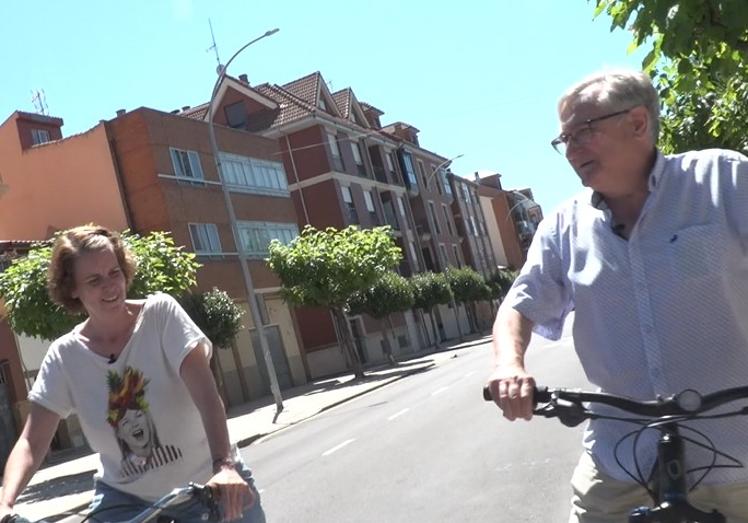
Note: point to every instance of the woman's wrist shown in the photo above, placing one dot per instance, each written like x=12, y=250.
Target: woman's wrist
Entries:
x=220, y=464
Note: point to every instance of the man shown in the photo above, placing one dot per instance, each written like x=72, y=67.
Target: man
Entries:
x=653, y=258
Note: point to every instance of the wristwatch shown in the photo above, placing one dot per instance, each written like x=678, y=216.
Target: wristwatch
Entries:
x=232, y=460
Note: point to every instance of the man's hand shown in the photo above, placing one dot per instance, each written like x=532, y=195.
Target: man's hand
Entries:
x=5, y=511
x=235, y=494
x=512, y=390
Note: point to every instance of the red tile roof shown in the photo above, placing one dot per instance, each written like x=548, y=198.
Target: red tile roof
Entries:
x=343, y=100
x=306, y=88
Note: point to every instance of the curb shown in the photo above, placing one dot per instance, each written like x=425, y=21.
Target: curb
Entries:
x=248, y=441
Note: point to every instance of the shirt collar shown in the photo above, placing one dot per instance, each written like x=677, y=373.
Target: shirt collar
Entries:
x=655, y=175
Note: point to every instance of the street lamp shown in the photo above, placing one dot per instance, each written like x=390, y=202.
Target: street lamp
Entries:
x=443, y=164
x=248, y=284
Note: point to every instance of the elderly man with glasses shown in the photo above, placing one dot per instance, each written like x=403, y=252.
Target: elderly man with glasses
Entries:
x=653, y=258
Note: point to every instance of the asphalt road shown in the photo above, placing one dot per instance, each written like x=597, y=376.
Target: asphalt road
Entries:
x=426, y=448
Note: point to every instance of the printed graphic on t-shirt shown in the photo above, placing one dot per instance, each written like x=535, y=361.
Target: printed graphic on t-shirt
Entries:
x=130, y=418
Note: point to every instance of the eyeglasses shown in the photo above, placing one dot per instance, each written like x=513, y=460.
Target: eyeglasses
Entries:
x=583, y=135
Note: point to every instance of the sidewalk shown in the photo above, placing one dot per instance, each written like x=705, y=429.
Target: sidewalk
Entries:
x=67, y=484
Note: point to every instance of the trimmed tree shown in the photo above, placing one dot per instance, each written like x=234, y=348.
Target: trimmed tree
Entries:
x=468, y=287
x=390, y=294
x=220, y=319
x=162, y=266
x=499, y=283
x=429, y=290
x=326, y=268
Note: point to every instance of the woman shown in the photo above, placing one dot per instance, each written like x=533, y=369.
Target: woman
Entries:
x=136, y=372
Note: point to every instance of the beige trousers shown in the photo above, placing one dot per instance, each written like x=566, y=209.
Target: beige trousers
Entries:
x=600, y=499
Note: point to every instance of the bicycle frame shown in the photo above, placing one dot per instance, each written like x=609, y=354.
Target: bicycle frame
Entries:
x=671, y=492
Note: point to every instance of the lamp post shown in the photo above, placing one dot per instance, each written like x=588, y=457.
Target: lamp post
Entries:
x=248, y=284
x=444, y=259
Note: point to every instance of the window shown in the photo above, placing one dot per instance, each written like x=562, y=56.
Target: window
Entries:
x=332, y=142
x=432, y=209
x=443, y=251
x=466, y=193
x=473, y=228
x=357, y=157
x=236, y=115
x=423, y=174
x=401, y=206
x=205, y=238
x=413, y=254
x=457, y=256
x=444, y=180
x=350, y=207
x=39, y=136
x=446, y=219
x=186, y=164
x=255, y=237
x=242, y=173
x=410, y=173
x=388, y=161
x=370, y=206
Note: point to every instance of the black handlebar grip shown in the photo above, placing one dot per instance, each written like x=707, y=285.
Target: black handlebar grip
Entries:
x=487, y=394
x=540, y=394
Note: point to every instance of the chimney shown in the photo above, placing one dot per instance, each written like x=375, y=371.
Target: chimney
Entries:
x=243, y=78
x=185, y=107
x=477, y=178
x=121, y=112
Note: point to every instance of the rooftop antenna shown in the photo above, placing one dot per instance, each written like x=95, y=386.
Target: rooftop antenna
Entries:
x=39, y=99
x=214, y=48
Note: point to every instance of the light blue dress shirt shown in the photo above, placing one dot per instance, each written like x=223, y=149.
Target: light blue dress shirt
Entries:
x=663, y=311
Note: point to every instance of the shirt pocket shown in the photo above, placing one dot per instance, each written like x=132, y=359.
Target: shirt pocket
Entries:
x=698, y=251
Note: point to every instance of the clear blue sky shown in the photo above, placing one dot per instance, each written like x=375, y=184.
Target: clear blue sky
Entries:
x=479, y=78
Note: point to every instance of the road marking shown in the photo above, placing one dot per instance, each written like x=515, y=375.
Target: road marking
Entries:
x=439, y=391
x=469, y=374
x=398, y=414
x=338, y=447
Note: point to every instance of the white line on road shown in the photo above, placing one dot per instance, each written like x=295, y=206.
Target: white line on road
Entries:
x=439, y=391
x=398, y=414
x=338, y=447
x=469, y=374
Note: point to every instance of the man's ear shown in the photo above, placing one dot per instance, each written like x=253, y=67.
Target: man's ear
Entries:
x=640, y=119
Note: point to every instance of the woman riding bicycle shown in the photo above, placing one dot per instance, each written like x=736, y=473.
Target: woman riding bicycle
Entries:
x=136, y=372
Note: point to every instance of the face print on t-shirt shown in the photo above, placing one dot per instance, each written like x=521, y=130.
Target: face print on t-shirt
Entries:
x=130, y=418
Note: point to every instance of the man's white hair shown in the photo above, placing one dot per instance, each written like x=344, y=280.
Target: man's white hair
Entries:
x=616, y=90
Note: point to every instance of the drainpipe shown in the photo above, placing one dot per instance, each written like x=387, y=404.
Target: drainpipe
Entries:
x=296, y=179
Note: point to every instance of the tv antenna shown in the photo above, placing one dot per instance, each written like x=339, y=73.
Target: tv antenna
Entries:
x=39, y=99
x=214, y=48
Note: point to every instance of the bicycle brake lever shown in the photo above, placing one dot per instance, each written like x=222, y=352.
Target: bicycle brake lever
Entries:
x=568, y=413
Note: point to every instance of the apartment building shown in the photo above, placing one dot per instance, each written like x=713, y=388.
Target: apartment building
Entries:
x=341, y=172
x=148, y=170
x=471, y=226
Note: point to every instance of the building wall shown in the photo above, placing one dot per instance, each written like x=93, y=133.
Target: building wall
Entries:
x=68, y=182
x=497, y=243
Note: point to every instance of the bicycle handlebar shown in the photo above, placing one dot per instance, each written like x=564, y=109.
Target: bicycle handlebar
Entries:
x=686, y=402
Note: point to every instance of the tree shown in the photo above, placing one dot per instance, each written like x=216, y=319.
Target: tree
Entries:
x=698, y=60
x=162, y=266
x=429, y=290
x=326, y=268
x=468, y=287
x=220, y=319
x=390, y=294
x=499, y=283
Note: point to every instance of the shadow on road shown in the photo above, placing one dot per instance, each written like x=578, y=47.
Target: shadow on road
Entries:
x=57, y=487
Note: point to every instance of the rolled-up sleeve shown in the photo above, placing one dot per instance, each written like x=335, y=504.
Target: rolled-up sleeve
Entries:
x=540, y=292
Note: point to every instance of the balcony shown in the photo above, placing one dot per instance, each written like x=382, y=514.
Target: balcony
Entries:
x=424, y=233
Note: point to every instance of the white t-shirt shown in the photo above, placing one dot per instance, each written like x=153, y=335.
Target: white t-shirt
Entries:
x=136, y=412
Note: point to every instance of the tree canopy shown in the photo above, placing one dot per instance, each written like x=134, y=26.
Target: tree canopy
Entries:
x=698, y=59
x=217, y=315
x=162, y=266
x=389, y=294
x=327, y=267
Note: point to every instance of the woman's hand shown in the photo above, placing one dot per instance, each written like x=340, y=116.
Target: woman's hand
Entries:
x=5, y=511
x=235, y=494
